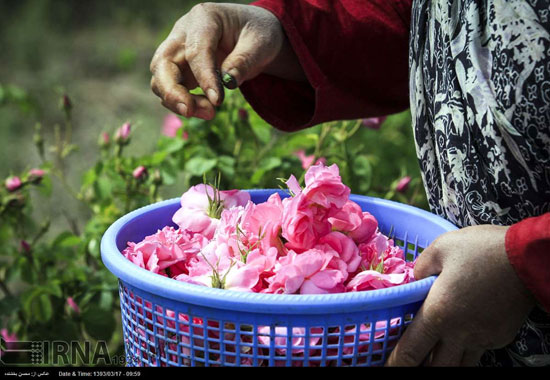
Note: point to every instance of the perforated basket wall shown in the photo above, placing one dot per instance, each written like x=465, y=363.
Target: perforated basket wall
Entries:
x=170, y=323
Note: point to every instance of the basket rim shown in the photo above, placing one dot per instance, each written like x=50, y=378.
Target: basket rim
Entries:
x=140, y=278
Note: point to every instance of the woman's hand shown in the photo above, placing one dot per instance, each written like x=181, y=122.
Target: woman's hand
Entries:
x=476, y=303
x=213, y=39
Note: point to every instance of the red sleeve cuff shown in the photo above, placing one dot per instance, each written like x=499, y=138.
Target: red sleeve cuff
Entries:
x=528, y=249
x=354, y=55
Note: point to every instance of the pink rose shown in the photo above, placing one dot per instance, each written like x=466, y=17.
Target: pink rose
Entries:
x=307, y=273
x=215, y=267
x=372, y=252
x=348, y=218
x=202, y=205
x=302, y=223
x=345, y=248
x=366, y=230
x=164, y=249
x=260, y=224
x=324, y=186
x=351, y=220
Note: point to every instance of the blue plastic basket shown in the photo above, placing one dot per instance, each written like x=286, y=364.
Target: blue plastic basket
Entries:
x=171, y=323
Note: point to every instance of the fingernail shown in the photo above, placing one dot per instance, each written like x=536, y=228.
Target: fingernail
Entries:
x=182, y=109
x=212, y=96
x=229, y=80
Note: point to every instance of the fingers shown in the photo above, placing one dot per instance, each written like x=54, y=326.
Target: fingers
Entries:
x=430, y=261
x=238, y=40
x=166, y=84
x=415, y=344
x=185, y=60
x=200, y=54
x=250, y=56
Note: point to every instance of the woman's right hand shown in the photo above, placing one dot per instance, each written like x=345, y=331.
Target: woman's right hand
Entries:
x=214, y=39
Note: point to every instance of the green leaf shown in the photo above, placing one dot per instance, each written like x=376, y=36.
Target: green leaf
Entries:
x=363, y=169
x=26, y=270
x=301, y=141
x=106, y=300
x=266, y=165
x=158, y=158
x=91, y=175
x=66, y=239
x=99, y=323
x=198, y=166
x=103, y=188
x=226, y=164
x=53, y=288
x=37, y=305
x=170, y=144
x=45, y=186
x=270, y=163
x=93, y=248
x=263, y=132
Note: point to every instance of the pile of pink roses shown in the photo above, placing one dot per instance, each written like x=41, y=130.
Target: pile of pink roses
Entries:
x=315, y=241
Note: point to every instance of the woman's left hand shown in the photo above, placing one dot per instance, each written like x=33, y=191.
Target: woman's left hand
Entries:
x=476, y=303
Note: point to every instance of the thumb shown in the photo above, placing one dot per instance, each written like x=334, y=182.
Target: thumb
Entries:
x=429, y=263
x=252, y=53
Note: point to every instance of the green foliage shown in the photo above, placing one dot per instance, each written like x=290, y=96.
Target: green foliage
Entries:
x=41, y=266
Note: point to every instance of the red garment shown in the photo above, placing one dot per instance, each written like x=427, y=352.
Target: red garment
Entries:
x=343, y=46
x=355, y=56
x=528, y=247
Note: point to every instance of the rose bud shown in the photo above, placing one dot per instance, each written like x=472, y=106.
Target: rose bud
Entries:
x=104, y=140
x=66, y=104
x=25, y=246
x=403, y=184
x=122, y=135
x=13, y=183
x=374, y=122
x=243, y=114
x=73, y=305
x=140, y=172
x=36, y=175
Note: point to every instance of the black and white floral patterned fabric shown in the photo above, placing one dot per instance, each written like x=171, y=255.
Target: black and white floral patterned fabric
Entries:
x=480, y=102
